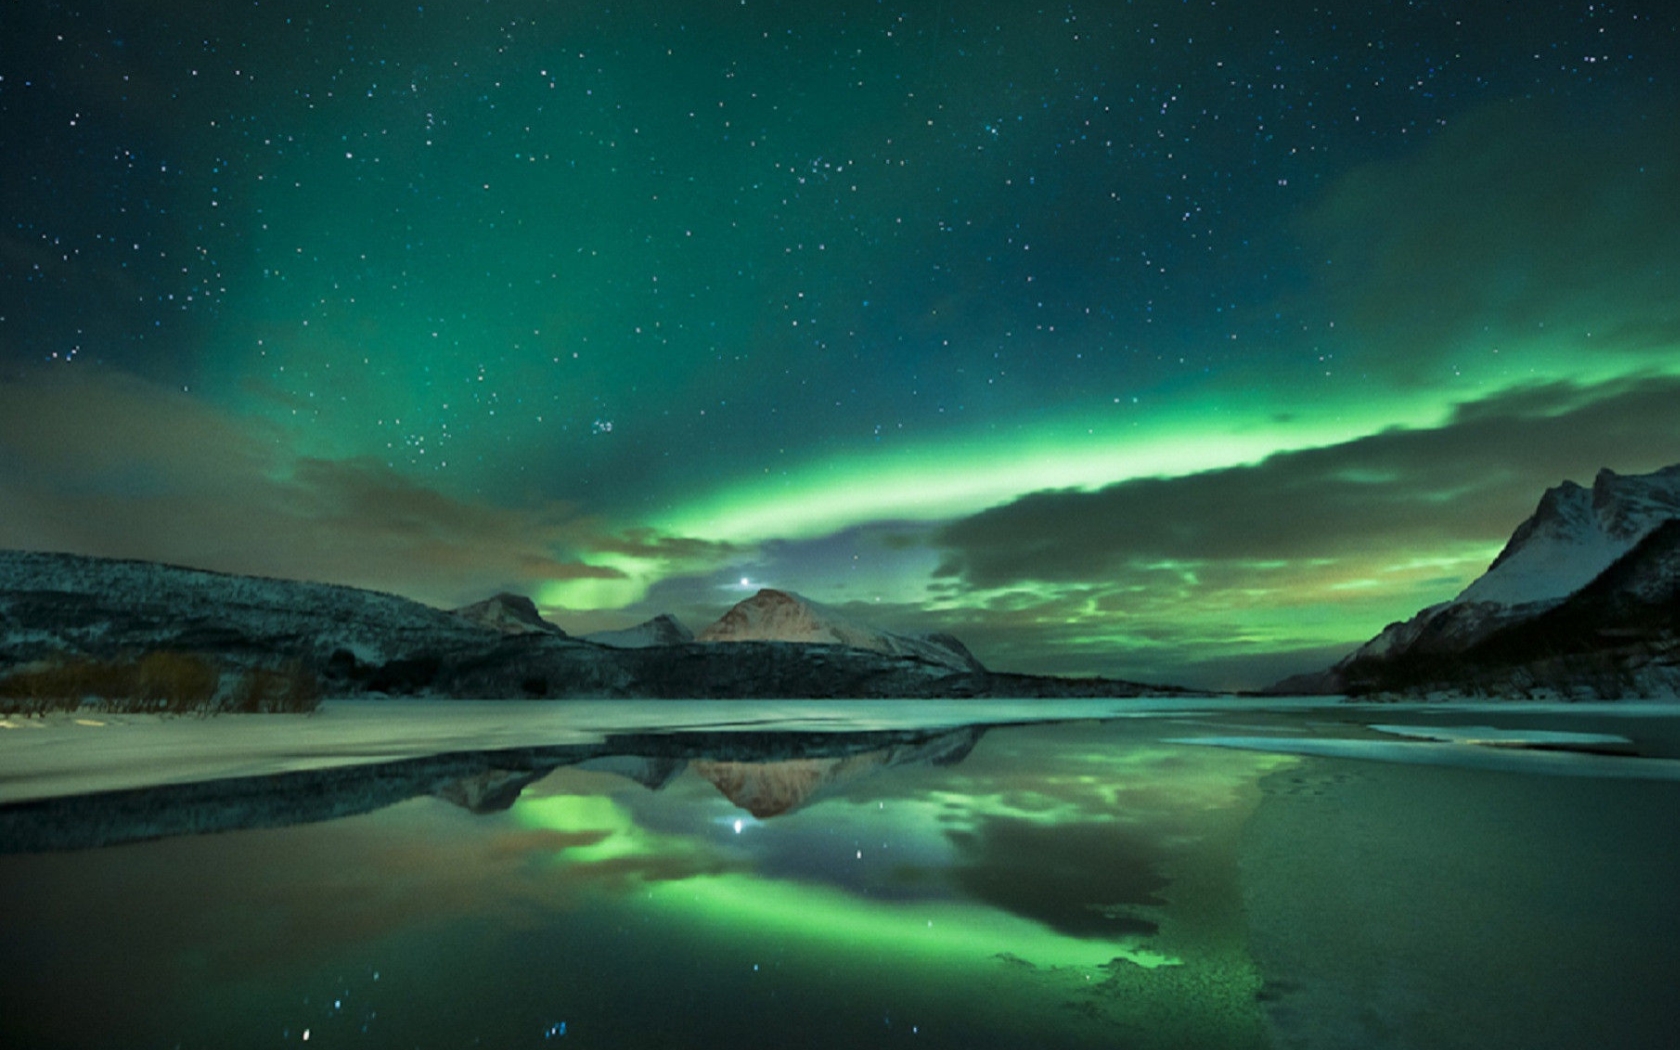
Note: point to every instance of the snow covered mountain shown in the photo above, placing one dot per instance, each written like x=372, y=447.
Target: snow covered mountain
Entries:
x=663, y=629
x=1575, y=534
x=75, y=627
x=782, y=616
x=52, y=603
x=139, y=635
x=509, y=614
x=1576, y=540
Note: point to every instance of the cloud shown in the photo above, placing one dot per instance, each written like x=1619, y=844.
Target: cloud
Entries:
x=646, y=543
x=874, y=567
x=1229, y=578
x=1469, y=481
x=1075, y=877
x=1517, y=219
x=1234, y=578
x=106, y=464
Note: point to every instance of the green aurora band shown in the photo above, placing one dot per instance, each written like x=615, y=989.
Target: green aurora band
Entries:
x=688, y=294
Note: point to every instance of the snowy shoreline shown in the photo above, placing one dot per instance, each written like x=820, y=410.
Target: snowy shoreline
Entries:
x=65, y=754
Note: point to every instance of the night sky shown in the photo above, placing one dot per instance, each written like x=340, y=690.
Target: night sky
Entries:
x=1177, y=341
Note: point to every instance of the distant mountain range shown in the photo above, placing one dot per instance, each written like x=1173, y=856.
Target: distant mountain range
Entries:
x=1583, y=602
x=249, y=643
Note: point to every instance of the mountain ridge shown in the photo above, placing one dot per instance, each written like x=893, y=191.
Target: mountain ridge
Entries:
x=509, y=614
x=64, y=610
x=1604, y=561
x=663, y=629
x=1574, y=534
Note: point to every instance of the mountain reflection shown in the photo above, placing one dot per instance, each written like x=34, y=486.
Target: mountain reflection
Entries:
x=768, y=789
x=1061, y=885
x=765, y=773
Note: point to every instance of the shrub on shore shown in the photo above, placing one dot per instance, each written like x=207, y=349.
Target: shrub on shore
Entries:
x=165, y=682
x=262, y=690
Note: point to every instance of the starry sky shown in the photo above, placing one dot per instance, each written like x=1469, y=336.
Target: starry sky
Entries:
x=1180, y=341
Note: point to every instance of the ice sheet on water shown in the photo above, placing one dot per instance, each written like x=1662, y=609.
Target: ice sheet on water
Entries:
x=1491, y=736
x=1461, y=755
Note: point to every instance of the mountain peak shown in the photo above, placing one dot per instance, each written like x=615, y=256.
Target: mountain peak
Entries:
x=509, y=614
x=1574, y=534
x=774, y=615
x=1574, y=567
x=663, y=629
x=1631, y=505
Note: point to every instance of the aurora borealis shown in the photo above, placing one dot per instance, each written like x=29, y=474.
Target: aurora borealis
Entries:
x=1176, y=341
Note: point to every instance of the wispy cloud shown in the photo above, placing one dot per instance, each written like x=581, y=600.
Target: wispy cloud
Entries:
x=103, y=463
x=1235, y=577
x=1403, y=492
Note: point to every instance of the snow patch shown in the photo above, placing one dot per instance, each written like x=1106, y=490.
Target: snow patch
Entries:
x=1417, y=752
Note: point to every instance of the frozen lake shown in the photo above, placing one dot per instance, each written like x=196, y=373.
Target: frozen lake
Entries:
x=967, y=874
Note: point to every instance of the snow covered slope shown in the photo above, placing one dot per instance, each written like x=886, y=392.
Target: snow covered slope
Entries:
x=781, y=616
x=509, y=614
x=1575, y=534
x=1572, y=536
x=663, y=629
x=70, y=603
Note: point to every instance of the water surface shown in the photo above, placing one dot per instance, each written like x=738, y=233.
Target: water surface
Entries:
x=1084, y=883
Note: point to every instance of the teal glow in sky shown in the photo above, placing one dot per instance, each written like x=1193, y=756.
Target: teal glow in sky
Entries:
x=618, y=306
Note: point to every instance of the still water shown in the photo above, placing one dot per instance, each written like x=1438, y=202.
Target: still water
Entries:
x=1178, y=880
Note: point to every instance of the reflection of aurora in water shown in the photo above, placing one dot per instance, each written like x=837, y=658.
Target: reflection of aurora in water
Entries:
x=1116, y=884
x=1051, y=870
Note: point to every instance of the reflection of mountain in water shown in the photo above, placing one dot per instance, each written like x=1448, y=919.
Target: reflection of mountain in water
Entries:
x=652, y=772
x=768, y=772
x=768, y=789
